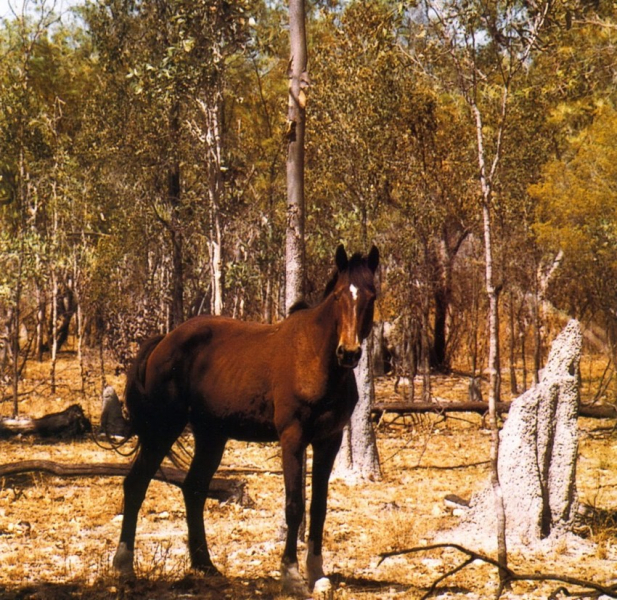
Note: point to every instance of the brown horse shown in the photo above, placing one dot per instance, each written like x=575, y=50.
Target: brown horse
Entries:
x=292, y=382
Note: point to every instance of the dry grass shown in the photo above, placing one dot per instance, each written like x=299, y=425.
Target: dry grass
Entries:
x=58, y=536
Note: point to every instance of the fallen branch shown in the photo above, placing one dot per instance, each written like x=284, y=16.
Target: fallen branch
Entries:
x=511, y=575
x=222, y=490
x=601, y=411
x=68, y=424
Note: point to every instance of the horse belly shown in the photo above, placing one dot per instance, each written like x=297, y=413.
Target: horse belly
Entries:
x=239, y=406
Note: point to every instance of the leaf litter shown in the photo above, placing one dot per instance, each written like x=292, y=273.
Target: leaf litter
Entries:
x=58, y=535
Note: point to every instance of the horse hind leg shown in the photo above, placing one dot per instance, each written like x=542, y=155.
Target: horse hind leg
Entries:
x=209, y=450
x=145, y=466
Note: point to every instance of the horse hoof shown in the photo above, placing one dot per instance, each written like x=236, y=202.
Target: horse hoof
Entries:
x=314, y=566
x=123, y=561
x=323, y=589
x=292, y=583
x=208, y=570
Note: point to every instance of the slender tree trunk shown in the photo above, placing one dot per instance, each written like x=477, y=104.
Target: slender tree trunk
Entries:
x=39, y=340
x=81, y=323
x=441, y=297
x=298, y=84
x=177, y=247
x=493, y=397
x=54, y=328
x=174, y=198
x=211, y=106
x=537, y=336
x=15, y=341
x=493, y=354
x=439, y=340
x=524, y=359
x=426, y=348
x=512, y=342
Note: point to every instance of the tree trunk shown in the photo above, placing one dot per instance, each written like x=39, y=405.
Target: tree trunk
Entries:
x=54, y=328
x=40, y=322
x=16, y=324
x=295, y=269
x=358, y=459
x=512, y=346
x=174, y=198
x=493, y=353
x=211, y=106
x=537, y=336
x=439, y=359
x=177, y=248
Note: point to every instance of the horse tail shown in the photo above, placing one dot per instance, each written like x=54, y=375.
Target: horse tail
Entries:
x=135, y=399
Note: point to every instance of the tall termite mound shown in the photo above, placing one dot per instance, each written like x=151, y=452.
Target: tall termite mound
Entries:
x=537, y=459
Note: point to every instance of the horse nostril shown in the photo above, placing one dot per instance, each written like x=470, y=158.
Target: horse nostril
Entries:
x=348, y=358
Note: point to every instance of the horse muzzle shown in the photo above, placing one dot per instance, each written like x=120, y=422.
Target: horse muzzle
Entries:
x=348, y=358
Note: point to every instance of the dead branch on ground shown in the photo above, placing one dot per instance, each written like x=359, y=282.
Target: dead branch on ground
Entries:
x=220, y=489
x=600, y=411
x=597, y=589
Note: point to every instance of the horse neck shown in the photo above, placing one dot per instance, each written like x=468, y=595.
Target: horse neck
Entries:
x=325, y=320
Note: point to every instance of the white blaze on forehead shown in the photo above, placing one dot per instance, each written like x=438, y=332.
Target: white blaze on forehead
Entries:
x=354, y=291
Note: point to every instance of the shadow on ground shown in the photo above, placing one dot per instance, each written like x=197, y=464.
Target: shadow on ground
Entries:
x=191, y=586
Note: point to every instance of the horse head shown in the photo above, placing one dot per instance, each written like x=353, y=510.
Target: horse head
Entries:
x=354, y=293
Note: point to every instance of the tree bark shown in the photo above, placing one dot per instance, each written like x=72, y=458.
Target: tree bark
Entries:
x=358, y=459
x=493, y=329
x=295, y=268
x=211, y=109
x=177, y=248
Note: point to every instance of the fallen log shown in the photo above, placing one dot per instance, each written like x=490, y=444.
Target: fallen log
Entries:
x=222, y=490
x=67, y=424
x=593, y=411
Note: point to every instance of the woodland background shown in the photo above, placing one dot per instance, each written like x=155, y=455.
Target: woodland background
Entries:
x=142, y=171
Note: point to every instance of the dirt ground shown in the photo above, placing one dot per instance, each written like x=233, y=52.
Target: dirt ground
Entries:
x=58, y=535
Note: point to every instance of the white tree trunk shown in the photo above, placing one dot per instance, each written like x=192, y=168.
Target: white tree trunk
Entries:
x=298, y=82
x=358, y=459
x=211, y=110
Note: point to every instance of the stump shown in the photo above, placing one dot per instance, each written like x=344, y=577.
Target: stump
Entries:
x=537, y=458
x=113, y=423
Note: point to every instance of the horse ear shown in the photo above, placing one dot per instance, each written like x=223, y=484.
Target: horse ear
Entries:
x=341, y=258
x=373, y=259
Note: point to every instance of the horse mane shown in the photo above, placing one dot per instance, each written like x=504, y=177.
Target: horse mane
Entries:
x=297, y=306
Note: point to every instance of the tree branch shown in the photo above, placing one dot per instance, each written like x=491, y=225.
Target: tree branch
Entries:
x=597, y=588
x=220, y=489
x=592, y=411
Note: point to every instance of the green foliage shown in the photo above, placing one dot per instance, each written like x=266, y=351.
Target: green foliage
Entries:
x=104, y=154
x=577, y=213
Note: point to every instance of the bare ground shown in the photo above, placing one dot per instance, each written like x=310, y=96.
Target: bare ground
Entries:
x=58, y=536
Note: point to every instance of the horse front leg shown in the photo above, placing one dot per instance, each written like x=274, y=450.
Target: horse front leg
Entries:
x=324, y=454
x=293, y=456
